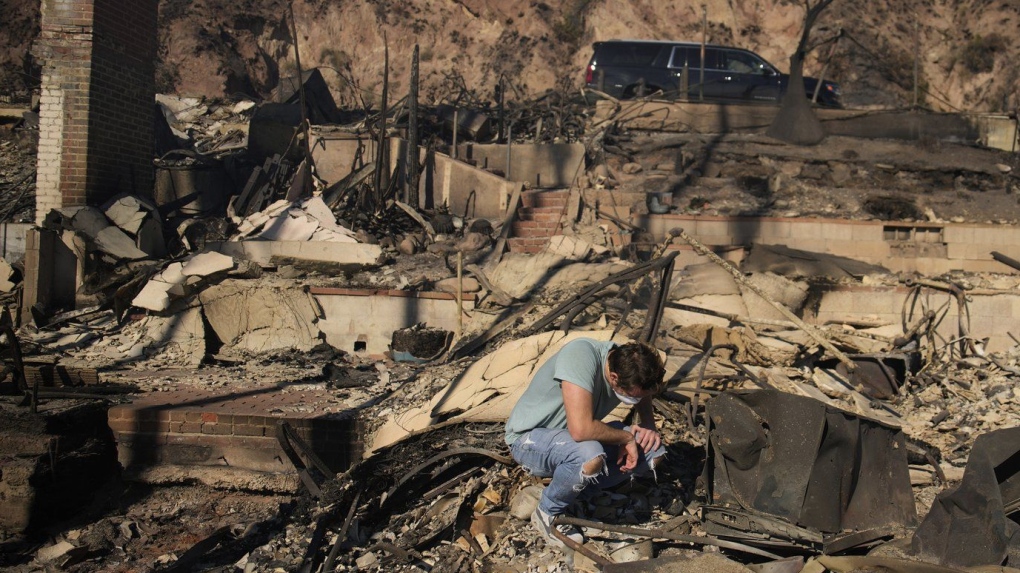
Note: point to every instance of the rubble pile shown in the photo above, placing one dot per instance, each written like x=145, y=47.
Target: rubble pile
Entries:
x=791, y=446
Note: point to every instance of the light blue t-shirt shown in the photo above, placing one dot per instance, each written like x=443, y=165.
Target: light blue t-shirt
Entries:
x=581, y=362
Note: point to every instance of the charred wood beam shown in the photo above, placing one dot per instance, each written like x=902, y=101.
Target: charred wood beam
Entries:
x=736, y=274
x=308, y=563
x=329, y=565
x=1013, y=263
x=411, y=192
x=380, y=152
x=693, y=405
x=190, y=558
x=492, y=332
x=963, y=310
x=591, y=294
x=504, y=232
x=661, y=534
x=439, y=458
x=292, y=444
x=600, y=560
x=301, y=84
x=445, y=486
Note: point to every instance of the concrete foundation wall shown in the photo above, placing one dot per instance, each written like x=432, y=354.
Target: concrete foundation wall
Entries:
x=12, y=241
x=541, y=166
x=992, y=313
x=926, y=248
x=996, y=131
x=364, y=320
x=467, y=190
x=336, y=155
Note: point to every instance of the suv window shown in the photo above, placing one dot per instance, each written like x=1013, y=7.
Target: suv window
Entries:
x=742, y=62
x=629, y=54
x=691, y=57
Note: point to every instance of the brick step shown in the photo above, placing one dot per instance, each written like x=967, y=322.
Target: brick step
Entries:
x=530, y=231
x=539, y=214
x=544, y=198
x=534, y=234
x=527, y=245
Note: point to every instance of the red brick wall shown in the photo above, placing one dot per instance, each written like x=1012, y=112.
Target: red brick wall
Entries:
x=96, y=111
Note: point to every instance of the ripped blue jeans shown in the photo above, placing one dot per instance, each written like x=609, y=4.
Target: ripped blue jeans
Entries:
x=553, y=453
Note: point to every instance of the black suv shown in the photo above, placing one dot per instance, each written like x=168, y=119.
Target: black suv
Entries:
x=631, y=68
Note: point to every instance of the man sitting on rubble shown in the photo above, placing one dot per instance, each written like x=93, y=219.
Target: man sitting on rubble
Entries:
x=556, y=428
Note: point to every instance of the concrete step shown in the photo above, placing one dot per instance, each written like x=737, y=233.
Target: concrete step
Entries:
x=237, y=429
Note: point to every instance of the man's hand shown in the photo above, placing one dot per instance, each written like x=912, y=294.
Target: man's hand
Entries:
x=627, y=459
x=647, y=438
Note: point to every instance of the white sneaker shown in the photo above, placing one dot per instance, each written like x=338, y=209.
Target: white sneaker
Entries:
x=543, y=523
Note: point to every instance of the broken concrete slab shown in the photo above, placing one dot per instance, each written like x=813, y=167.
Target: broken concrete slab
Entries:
x=355, y=255
x=452, y=285
x=180, y=338
x=518, y=274
x=487, y=390
x=155, y=295
x=796, y=263
x=573, y=248
x=118, y=244
x=781, y=289
x=289, y=228
x=261, y=317
x=6, y=273
x=206, y=264
x=362, y=320
x=86, y=220
x=128, y=212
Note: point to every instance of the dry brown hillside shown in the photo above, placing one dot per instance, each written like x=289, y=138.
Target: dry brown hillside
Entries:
x=969, y=48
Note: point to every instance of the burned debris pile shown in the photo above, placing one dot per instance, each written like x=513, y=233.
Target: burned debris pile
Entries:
x=787, y=452
x=796, y=441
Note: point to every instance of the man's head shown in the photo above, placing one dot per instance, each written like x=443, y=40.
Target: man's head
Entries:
x=636, y=368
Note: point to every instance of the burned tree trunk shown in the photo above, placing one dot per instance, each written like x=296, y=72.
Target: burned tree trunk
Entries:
x=796, y=123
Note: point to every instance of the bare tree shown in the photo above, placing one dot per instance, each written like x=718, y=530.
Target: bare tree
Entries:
x=796, y=123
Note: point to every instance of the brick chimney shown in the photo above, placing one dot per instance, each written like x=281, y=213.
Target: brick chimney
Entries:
x=96, y=110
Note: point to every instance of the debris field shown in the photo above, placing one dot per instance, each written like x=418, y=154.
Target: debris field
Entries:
x=793, y=444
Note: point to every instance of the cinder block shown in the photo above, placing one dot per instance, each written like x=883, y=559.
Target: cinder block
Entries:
x=838, y=231
x=958, y=234
x=806, y=230
x=774, y=229
x=930, y=267
x=957, y=251
x=704, y=229
x=867, y=232
x=875, y=251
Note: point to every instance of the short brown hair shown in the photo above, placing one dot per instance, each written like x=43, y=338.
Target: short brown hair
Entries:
x=637, y=365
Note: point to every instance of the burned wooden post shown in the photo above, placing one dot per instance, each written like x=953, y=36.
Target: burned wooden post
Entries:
x=381, y=165
x=411, y=178
x=301, y=85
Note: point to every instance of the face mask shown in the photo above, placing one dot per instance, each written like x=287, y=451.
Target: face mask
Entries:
x=628, y=400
